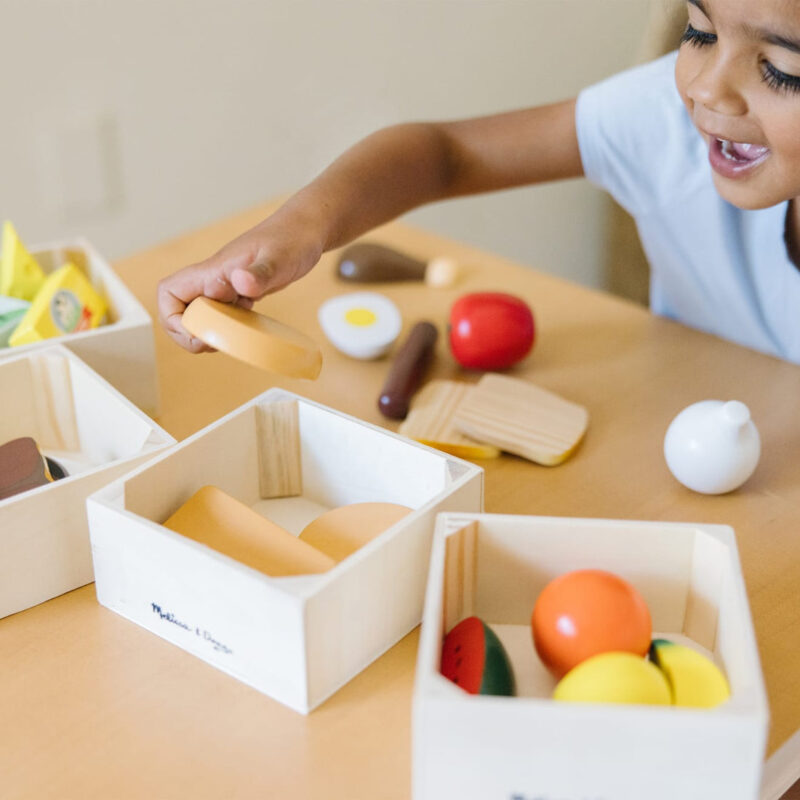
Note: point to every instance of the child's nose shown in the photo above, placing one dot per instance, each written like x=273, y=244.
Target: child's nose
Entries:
x=716, y=86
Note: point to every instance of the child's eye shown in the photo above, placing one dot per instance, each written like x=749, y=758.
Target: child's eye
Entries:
x=780, y=81
x=696, y=37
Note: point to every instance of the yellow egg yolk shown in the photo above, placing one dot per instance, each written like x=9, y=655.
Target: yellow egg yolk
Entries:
x=360, y=317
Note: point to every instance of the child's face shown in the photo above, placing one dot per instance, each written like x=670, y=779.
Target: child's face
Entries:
x=738, y=73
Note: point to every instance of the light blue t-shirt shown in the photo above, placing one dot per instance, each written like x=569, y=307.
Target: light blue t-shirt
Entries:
x=713, y=266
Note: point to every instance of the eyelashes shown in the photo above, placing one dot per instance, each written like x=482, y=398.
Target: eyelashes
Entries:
x=780, y=81
x=697, y=38
x=774, y=78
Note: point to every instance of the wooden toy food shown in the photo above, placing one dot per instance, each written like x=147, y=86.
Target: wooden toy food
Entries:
x=694, y=680
x=66, y=303
x=407, y=370
x=366, y=262
x=614, y=678
x=23, y=467
x=430, y=421
x=362, y=324
x=341, y=531
x=12, y=310
x=490, y=330
x=520, y=418
x=585, y=612
x=253, y=338
x=475, y=659
x=20, y=274
x=221, y=522
x=712, y=446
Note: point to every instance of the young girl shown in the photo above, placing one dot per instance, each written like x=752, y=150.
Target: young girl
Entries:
x=702, y=147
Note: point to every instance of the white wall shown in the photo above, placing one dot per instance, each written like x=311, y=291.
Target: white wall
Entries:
x=133, y=122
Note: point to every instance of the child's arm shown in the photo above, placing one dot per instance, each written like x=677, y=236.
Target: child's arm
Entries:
x=381, y=177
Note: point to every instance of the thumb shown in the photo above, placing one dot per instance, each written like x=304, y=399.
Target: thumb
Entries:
x=254, y=279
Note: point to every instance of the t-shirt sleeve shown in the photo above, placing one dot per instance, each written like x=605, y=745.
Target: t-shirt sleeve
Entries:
x=633, y=130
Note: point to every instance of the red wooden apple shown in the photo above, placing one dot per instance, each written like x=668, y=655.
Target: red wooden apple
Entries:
x=490, y=330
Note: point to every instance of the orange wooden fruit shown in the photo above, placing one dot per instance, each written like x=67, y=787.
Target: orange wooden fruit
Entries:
x=586, y=612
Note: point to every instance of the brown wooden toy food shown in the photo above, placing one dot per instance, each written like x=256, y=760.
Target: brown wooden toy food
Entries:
x=407, y=370
x=22, y=467
x=367, y=262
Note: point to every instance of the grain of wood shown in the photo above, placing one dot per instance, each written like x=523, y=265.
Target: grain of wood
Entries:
x=430, y=421
x=522, y=419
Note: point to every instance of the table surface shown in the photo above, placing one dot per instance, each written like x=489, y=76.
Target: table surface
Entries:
x=91, y=705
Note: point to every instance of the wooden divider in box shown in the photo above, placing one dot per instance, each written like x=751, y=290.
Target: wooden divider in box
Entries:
x=494, y=567
x=92, y=431
x=295, y=638
x=123, y=349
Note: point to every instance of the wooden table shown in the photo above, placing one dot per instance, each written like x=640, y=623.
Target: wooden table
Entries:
x=92, y=706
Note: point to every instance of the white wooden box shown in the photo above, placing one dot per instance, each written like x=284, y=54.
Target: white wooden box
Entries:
x=91, y=430
x=529, y=747
x=122, y=350
x=299, y=638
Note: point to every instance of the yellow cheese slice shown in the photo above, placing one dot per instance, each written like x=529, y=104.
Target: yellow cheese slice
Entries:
x=66, y=303
x=20, y=274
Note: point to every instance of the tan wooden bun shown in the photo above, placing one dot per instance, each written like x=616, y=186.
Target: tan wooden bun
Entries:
x=219, y=521
x=341, y=531
x=253, y=338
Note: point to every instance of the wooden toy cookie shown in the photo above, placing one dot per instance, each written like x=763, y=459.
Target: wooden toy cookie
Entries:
x=219, y=521
x=522, y=419
x=343, y=530
x=430, y=421
x=253, y=338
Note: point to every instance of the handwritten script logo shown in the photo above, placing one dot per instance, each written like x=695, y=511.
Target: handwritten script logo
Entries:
x=168, y=616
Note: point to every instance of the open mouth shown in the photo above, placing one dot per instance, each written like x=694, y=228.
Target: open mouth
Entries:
x=734, y=159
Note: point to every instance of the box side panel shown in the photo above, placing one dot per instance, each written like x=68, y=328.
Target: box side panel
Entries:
x=44, y=540
x=709, y=563
x=17, y=395
x=54, y=400
x=377, y=600
x=123, y=349
x=125, y=356
x=735, y=644
x=345, y=461
x=279, y=468
x=476, y=750
x=460, y=565
x=225, y=455
x=518, y=556
x=107, y=429
x=221, y=612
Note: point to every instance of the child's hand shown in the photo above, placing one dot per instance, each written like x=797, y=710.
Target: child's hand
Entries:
x=262, y=260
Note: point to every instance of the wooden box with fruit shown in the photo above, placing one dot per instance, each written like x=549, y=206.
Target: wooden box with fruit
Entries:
x=586, y=659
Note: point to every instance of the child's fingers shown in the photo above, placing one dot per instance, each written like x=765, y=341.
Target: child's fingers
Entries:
x=178, y=290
